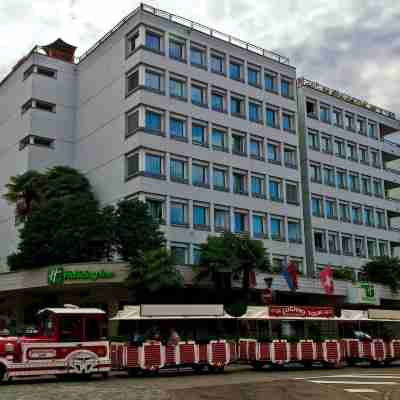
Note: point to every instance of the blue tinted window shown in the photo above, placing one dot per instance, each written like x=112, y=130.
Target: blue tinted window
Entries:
x=176, y=50
x=199, y=174
x=153, y=41
x=198, y=134
x=153, y=164
x=269, y=82
x=177, y=213
x=285, y=88
x=234, y=71
x=254, y=112
x=153, y=121
x=177, y=88
x=218, y=138
x=271, y=118
x=286, y=122
x=217, y=102
x=235, y=105
x=199, y=215
x=256, y=185
x=153, y=80
x=275, y=227
x=294, y=231
x=197, y=95
x=197, y=56
x=219, y=178
x=177, y=127
x=274, y=192
x=217, y=64
x=255, y=148
x=177, y=169
x=258, y=226
x=240, y=222
x=253, y=76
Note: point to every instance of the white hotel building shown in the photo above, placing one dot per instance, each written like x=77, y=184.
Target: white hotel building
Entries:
x=207, y=129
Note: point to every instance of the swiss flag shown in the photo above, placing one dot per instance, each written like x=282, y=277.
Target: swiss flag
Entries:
x=326, y=278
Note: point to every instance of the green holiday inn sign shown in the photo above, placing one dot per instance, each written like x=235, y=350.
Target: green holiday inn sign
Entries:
x=58, y=276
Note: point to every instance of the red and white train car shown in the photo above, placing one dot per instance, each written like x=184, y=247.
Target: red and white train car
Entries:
x=68, y=340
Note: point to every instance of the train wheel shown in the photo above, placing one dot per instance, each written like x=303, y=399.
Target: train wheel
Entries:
x=257, y=365
x=387, y=363
x=198, y=368
x=133, y=372
x=220, y=370
x=307, y=364
x=351, y=362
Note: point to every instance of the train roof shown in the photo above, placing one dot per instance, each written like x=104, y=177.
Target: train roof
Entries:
x=68, y=310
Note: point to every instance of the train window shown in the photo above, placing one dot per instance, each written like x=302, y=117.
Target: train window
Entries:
x=70, y=330
x=92, y=329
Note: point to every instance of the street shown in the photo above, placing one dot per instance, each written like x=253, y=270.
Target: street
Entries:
x=237, y=383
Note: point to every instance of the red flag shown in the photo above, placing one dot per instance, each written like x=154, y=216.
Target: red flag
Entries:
x=294, y=274
x=326, y=278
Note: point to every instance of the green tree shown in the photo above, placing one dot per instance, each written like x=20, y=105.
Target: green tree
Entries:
x=25, y=192
x=384, y=270
x=152, y=271
x=227, y=255
x=135, y=229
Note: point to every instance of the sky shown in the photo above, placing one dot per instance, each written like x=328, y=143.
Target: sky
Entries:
x=349, y=45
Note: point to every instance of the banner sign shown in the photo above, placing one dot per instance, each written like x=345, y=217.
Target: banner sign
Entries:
x=57, y=275
x=299, y=311
x=363, y=293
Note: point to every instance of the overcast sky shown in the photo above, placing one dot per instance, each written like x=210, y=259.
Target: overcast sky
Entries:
x=351, y=45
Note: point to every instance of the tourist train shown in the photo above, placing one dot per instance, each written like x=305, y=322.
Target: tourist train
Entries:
x=150, y=338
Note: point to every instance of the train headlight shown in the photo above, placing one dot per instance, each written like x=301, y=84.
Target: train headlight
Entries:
x=9, y=348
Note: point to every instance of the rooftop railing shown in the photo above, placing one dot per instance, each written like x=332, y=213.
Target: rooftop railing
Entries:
x=345, y=97
x=193, y=26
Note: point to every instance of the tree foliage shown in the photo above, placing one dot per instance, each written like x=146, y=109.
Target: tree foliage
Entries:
x=384, y=270
x=225, y=256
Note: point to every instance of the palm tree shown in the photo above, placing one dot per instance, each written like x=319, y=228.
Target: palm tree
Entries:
x=25, y=192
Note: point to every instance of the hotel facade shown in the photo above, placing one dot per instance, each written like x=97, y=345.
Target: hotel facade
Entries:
x=215, y=134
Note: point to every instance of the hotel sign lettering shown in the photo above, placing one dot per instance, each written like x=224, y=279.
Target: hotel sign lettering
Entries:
x=302, y=312
x=58, y=276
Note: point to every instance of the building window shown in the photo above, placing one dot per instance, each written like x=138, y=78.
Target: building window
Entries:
x=383, y=249
x=274, y=153
x=341, y=179
x=236, y=70
x=271, y=82
x=132, y=164
x=178, y=170
x=131, y=42
x=198, y=57
x=349, y=122
x=354, y=182
x=288, y=122
x=154, y=164
x=221, y=219
x=356, y=214
x=258, y=226
x=153, y=80
x=371, y=246
x=241, y=224
x=364, y=155
x=381, y=221
x=154, y=121
x=366, y=185
x=132, y=81
x=313, y=140
x=294, y=231
x=361, y=126
x=329, y=176
x=277, y=231
x=326, y=144
x=320, y=241
x=200, y=175
x=199, y=95
x=272, y=118
x=292, y=193
x=254, y=76
x=239, y=145
x=375, y=159
x=219, y=139
x=372, y=131
x=255, y=112
x=240, y=183
x=324, y=113
x=201, y=216
x=287, y=88
x=177, y=49
x=333, y=243
x=340, y=149
x=256, y=149
x=177, y=88
x=278, y=263
x=352, y=151
x=218, y=63
x=34, y=140
x=238, y=106
x=258, y=186
x=177, y=127
x=330, y=209
x=218, y=100
x=180, y=253
x=156, y=208
x=316, y=173
x=153, y=41
x=196, y=255
x=317, y=206
x=275, y=190
x=344, y=212
x=199, y=134
x=378, y=190
x=220, y=179
x=337, y=117
x=359, y=244
x=347, y=245
x=311, y=108
x=178, y=213
x=369, y=216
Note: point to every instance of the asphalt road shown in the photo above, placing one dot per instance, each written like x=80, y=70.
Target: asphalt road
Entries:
x=237, y=383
